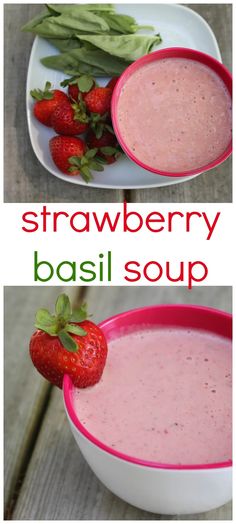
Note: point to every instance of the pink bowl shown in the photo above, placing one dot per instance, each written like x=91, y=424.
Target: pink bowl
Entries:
x=172, y=52
x=189, y=316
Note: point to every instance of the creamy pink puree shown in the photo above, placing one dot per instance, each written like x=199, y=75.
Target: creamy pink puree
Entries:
x=174, y=114
x=165, y=396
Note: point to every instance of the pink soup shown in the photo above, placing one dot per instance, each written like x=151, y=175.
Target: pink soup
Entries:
x=174, y=115
x=165, y=396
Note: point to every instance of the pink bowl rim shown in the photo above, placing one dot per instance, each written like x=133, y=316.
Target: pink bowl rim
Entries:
x=114, y=103
x=68, y=387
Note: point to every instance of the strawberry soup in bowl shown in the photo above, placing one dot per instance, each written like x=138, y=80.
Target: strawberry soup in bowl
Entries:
x=157, y=428
x=172, y=112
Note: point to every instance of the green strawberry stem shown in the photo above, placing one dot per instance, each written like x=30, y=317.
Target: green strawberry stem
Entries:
x=110, y=151
x=79, y=108
x=62, y=323
x=98, y=124
x=39, y=95
x=88, y=161
x=84, y=82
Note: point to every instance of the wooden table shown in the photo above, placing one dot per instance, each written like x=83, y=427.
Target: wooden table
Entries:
x=27, y=181
x=46, y=477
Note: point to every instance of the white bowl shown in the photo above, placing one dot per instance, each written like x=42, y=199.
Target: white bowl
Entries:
x=158, y=488
x=164, y=491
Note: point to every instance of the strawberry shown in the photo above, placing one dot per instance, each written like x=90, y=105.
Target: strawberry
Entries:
x=107, y=139
x=67, y=343
x=112, y=83
x=74, y=92
x=99, y=124
x=109, y=154
x=70, y=119
x=98, y=100
x=70, y=156
x=106, y=145
x=46, y=103
x=78, y=86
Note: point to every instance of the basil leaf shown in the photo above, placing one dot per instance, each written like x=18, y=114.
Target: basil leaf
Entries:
x=83, y=60
x=123, y=23
x=92, y=39
x=128, y=47
x=49, y=28
x=30, y=26
x=86, y=21
x=64, y=45
x=66, y=25
x=75, y=9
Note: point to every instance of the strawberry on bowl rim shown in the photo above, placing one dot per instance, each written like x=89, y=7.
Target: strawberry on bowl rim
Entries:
x=68, y=343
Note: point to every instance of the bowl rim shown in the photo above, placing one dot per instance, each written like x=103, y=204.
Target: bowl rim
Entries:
x=68, y=403
x=165, y=53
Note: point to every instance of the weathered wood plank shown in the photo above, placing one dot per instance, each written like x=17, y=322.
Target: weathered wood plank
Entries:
x=26, y=393
x=216, y=185
x=59, y=484
x=26, y=180
x=219, y=17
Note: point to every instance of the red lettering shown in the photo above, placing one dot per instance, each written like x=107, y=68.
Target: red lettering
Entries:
x=151, y=220
x=191, y=277
x=170, y=218
x=27, y=221
x=211, y=227
x=129, y=270
x=85, y=227
x=180, y=277
x=55, y=217
x=188, y=218
x=106, y=218
x=147, y=266
x=129, y=214
x=45, y=214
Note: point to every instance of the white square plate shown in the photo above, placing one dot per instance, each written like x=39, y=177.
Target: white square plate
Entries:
x=179, y=26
